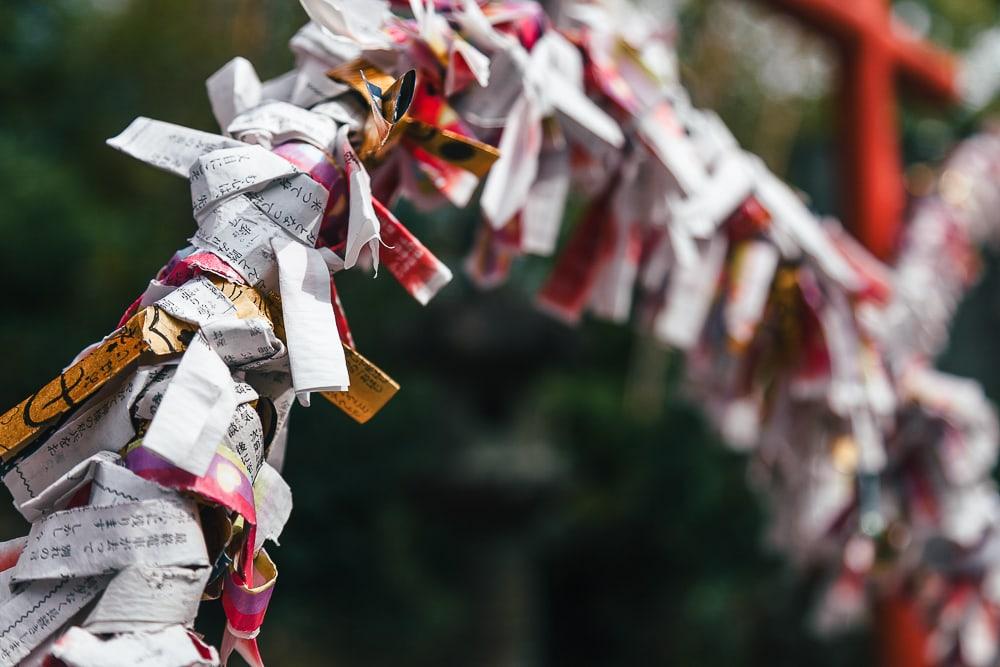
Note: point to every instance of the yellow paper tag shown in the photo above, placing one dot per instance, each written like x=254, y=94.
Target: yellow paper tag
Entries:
x=469, y=154
x=166, y=334
x=163, y=333
x=150, y=330
x=369, y=391
x=73, y=386
x=249, y=302
x=155, y=331
x=355, y=72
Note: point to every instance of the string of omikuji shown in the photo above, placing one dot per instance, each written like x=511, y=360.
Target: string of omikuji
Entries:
x=150, y=468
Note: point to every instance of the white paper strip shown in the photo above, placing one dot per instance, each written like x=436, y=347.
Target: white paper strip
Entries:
x=59, y=493
x=689, y=297
x=718, y=197
x=362, y=223
x=310, y=85
x=142, y=597
x=278, y=122
x=273, y=498
x=477, y=62
x=167, y=146
x=295, y=204
x=87, y=541
x=666, y=140
x=238, y=232
x=233, y=89
x=171, y=647
x=359, y=20
x=512, y=175
x=102, y=424
x=195, y=411
x=154, y=292
x=312, y=42
x=244, y=343
x=197, y=301
x=556, y=72
x=147, y=400
x=232, y=171
x=542, y=216
x=790, y=216
x=751, y=285
x=39, y=610
x=113, y=484
x=245, y=436
x=314, y=349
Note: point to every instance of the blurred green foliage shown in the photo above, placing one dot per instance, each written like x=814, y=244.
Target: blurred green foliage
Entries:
x=509, y=506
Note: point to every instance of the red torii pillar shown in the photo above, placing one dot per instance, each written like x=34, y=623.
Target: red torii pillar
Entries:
x=873, y=50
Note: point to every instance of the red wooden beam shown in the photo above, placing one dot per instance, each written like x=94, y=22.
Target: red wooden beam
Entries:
x=874, y=50
x=902, y=634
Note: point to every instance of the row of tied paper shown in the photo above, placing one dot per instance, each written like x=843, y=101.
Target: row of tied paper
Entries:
x=805, y=349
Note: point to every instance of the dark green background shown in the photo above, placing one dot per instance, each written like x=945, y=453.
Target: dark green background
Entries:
x=535, y=494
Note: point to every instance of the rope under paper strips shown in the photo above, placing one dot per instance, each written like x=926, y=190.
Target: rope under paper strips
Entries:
x=150, y=467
